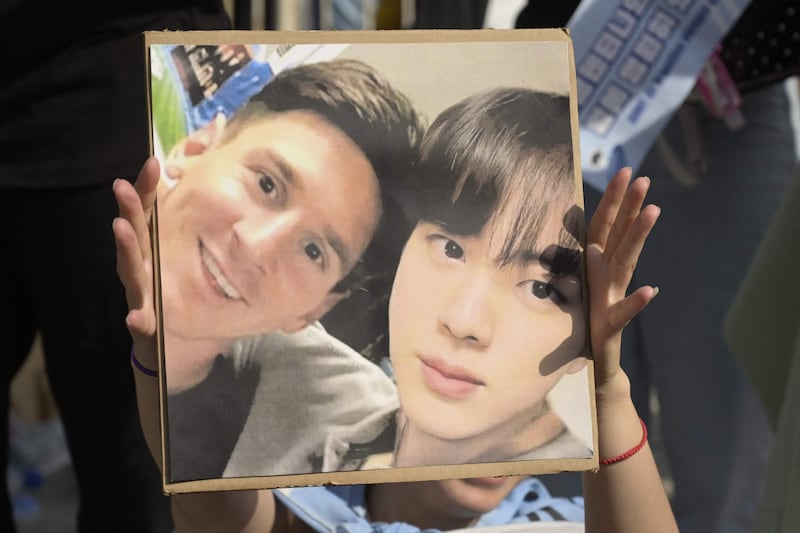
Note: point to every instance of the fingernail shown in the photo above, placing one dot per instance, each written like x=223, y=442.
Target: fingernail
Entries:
x=656, y=290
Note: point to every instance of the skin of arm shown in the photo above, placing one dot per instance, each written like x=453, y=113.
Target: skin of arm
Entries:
x=626, y=496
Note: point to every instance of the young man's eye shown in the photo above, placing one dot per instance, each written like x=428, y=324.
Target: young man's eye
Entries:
x=443, y=247
x=543, y=290
x=540, y=289
x=453, y=250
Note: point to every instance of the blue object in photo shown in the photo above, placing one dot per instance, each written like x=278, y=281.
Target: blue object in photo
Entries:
x=217, y=78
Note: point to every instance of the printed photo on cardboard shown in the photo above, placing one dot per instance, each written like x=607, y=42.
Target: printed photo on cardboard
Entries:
x=369, y=257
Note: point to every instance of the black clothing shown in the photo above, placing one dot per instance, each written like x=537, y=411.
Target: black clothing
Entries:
x=538, y=14
x=214, y=413
x=449, y=14
x=73, y=108
x=73, y=116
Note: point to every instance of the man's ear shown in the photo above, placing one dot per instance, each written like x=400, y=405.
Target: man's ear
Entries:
x=576, y=365
x=327, y=303
x=193, y=144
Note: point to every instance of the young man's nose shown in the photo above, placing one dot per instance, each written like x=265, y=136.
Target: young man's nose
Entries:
x=266, y=237
x=466, y=313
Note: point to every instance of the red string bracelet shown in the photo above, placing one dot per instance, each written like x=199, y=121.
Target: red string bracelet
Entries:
x=631, y=452
x=143, y=369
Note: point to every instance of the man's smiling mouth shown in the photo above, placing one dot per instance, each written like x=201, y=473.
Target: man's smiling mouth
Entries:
x=223, y=284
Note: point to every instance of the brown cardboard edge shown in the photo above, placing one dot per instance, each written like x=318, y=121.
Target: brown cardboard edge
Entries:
x=162, y=385
x=576, y=153
x=422, y=473
x=162, y=380
x=534, y=467
x=351, y=36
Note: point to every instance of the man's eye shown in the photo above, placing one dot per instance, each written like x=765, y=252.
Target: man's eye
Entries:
x=267, y=184
x=453, y=250
x=444, y=248
x=543, y=290
x=540, y=289
x=313, y=252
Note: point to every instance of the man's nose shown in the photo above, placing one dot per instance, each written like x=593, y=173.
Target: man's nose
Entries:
x=466, y=313
x=266, y=238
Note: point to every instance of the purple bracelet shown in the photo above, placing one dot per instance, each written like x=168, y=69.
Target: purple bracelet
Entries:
x=143, y=369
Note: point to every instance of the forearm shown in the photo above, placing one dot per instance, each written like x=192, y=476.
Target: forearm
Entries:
x=226, y=512
x=147, y=397
x=627, y=496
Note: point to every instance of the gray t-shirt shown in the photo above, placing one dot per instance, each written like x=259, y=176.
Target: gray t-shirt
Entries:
x=314, y=398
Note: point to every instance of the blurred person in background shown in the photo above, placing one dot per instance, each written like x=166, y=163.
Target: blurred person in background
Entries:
x=719, y=187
